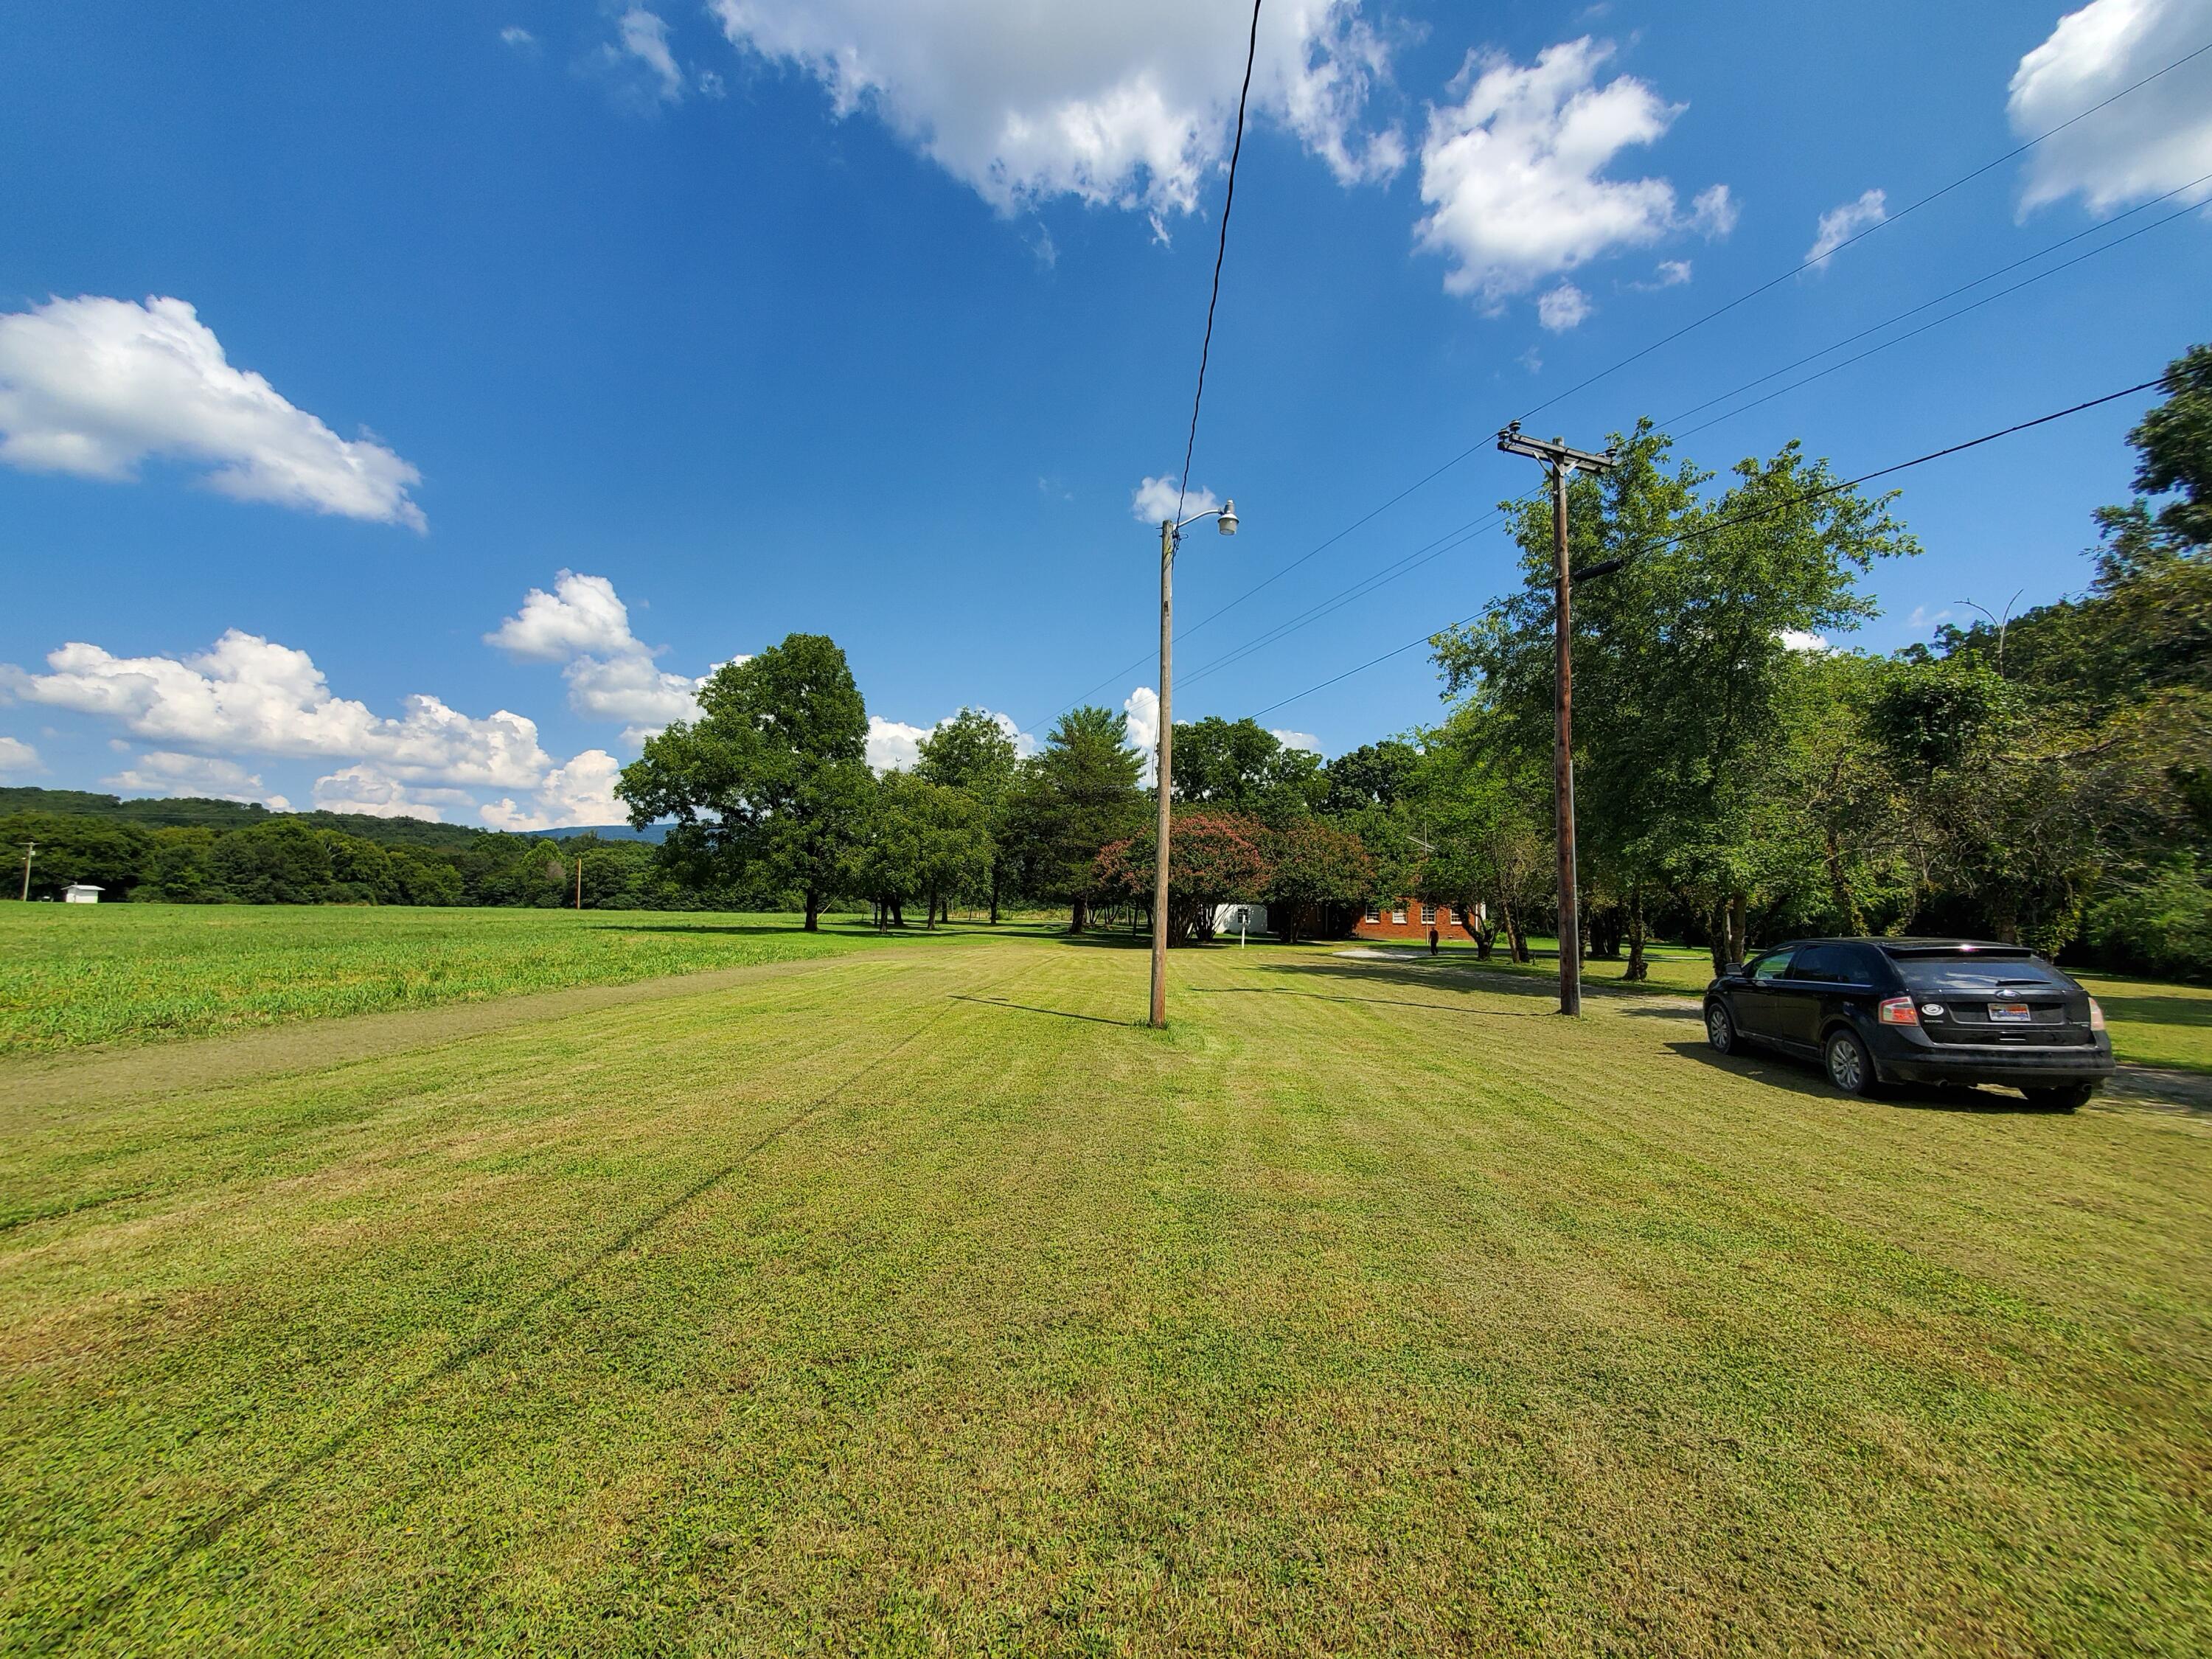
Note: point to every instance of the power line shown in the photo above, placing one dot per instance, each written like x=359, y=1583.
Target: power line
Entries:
x=1905, y=212
x=1432, y=476
x=1750, y=518
x=1220, y=252
x=1951, y=294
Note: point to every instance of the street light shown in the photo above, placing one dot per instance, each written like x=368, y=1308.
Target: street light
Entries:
x=1170, y=538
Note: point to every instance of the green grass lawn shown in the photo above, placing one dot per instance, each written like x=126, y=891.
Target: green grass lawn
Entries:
x=915, y=1302
x=74, y=975
x=2153, y=1022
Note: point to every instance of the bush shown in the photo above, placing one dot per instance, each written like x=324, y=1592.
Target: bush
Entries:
x=2162, y=928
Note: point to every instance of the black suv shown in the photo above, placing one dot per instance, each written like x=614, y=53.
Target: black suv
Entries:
x=1878, y=1010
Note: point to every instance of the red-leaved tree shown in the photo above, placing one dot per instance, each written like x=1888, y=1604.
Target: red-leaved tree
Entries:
x=1214, y=858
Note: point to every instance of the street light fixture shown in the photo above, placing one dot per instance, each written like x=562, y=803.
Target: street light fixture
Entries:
x=1170, y=538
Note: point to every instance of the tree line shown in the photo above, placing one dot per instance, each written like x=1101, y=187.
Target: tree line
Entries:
x=2041, y=780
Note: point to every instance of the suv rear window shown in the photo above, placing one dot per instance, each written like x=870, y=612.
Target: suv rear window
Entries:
x=1979, y=974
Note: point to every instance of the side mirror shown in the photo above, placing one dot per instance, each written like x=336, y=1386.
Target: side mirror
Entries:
x=1734, y=970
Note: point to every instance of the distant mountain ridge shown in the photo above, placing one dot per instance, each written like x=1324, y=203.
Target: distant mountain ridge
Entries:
x=201, y=812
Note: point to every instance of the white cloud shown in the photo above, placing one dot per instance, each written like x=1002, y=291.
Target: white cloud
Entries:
x=642, y=37
x=96, y=386
x=2152, y=141
x=164, y=772
x=375, y=794
x=18, y=759
x=1798, y=640
x=1563, y=307
x=246, y=694
x=1156, y=499
x=1128, y=105
x=1672, y=273
x=583, y=616
x=1292, y=740
x=893, y=746
x=517, y=36
x=581, y=792
x=1839, y=225
x=1142, y=707
x=1922, y=616
x=611, y=674
x=1512, y=172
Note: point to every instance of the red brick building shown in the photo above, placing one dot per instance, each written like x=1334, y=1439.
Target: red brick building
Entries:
x=1410, y=919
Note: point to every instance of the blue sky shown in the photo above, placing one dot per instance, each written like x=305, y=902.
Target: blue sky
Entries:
x=329, y=335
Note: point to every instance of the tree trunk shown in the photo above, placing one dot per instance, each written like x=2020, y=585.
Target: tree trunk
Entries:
x=929, y=910
x=813, y=910
x=898, y=913
x=1738, y=903
x=1718, y=926
x=1638, y=968
x=1839, y=890
x=1082, y=914
x=1516, y=946
x=994, y=896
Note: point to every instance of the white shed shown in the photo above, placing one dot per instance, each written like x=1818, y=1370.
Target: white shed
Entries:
x=81, y=892
x=1229, y=920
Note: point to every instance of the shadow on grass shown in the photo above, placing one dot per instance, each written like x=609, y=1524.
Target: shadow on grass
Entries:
x=1383, y=1002
x=1801, y=1078
x=1028, y=1008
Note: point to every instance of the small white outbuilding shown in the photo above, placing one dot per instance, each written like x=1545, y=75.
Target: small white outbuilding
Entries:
x=81, y=892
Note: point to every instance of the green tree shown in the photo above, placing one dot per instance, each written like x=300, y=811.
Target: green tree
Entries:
x=113, y=855
x=1239, y=766
x=280, y=862
x=1374, y=775
x=771, y=781
x=975, y=753
x=1073, y=797
x=1314, y=867
x=1683, y=659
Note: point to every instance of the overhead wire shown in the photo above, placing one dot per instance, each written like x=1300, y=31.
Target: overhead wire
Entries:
x=1901, y=214
x=1432, y=475
x=1749, y=518
x=1220, y=252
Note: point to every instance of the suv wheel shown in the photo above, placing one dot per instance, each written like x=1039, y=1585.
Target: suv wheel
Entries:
x=1850, y=1066
x=2070, y=1098
x=1719, y=1029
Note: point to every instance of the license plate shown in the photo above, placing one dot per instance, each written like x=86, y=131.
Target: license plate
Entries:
x=2009, y=1013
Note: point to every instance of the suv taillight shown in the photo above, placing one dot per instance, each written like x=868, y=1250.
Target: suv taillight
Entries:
x=1899, y=1010
x=2096, y=1016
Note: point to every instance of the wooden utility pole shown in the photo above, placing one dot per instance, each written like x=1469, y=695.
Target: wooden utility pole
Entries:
x=1563, y=463
x=29, y=848
x=1163, y=774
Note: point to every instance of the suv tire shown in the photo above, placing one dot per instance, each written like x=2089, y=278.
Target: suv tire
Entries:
x=1720, y=1029
x=1850, y=1067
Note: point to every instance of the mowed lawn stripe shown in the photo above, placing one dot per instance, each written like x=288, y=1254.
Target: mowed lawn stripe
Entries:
x=1391, y=1317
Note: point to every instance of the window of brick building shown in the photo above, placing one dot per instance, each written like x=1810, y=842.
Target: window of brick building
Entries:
x=1397, y=911
x=1428, y=911
x=1373, y=911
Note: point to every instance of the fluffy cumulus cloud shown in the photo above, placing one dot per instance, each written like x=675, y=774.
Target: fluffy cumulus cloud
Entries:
x=165, y=772
x=95, y=387
x=18, y=759
x=1288, y=740
x=251, y=696
x=1798, y=638
x=2152, y=141
x=1839, y=225
x=517, y=36
x=376, y=794
x=895, y=746
x=1142, y=709
x=1513, y=174
x=1157, y=499
x=1127, y=104
x=581, y=792
x=584, y=625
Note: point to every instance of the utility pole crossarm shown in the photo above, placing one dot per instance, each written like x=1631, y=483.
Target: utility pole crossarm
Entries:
x=1557, y=452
